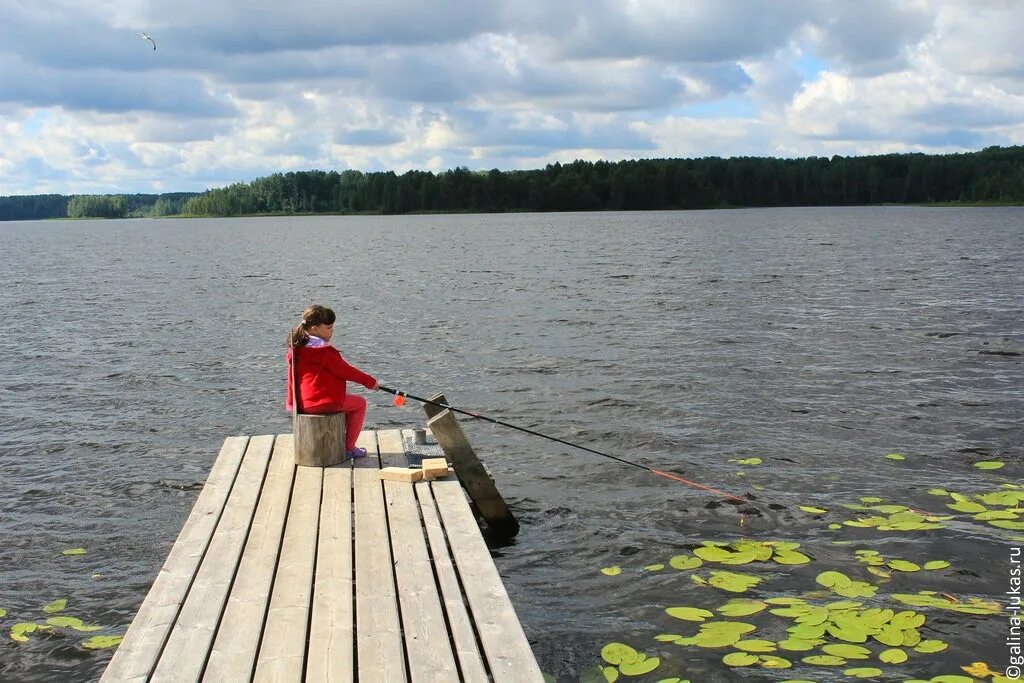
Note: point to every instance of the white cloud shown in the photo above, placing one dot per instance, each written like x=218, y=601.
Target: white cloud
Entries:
x=237, y=90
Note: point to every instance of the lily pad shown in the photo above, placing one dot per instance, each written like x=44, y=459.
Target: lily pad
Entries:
x=790, y=557
x=619, y=653
x=812, y=510
x=654, y=567
x=989, y=464
x=71, y=622
x=749, y=461
x=640, y=667
x=846, y=651
x=895, y=456
x=687, y=614
x=756, y=645
x=733, y=582
x=684, y=562
x=739, y=659
x=772, y=662
x=611, y=571
x=56, y=606
x=893, y=656
x=74, y=551
x=742, y=608
x=833, y=579
x=797, y=645
x=936, y=564
x=904, y=566
x=863, y=672
x=824, y=660
x=929, y=647
x=18, y=631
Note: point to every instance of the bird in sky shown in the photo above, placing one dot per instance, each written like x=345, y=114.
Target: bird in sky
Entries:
x=146, y=36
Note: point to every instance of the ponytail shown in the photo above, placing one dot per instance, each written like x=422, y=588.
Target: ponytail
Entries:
x=314, y=315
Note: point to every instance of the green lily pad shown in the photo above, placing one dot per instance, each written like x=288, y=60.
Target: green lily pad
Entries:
x=772, y=662
x=71, y=622
x=1007, y=524
x=893, y=656
x=749, y=461
x=833, y=579
x=610, y=673
x=74, y=551
x=797, y=645
x=895, y=456
x=713, y=553
x=687, y=614
x=929, y=647
x=846, y=651
x=619, y=653
x=863, y=672
x=684, y=562
x=989, y=464
x=739, y=659
x=824, y=660
x=56, y=606
x=640, y=667
x=611, y=571
x=19, y=630
x=743, y=557
x=790, y=557
x=907, y=619
x=812, y=510
x=756, y=645
x=936, y=564
x=870, y=499
x=732, y=581
x=654, y=567
x=3, y=612
x=904, y=566
x=967, y=507
x=667, y=637
x=742, y=608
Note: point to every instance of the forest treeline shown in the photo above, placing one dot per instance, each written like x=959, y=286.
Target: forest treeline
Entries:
x=993, y=175
x=38, y=206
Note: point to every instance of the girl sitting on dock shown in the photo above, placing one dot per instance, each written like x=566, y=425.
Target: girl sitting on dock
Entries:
x=323, y=374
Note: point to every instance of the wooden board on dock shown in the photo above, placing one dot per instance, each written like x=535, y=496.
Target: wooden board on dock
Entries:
x=325, y=574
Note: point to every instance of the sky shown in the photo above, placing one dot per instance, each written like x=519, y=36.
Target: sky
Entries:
x=242, y=89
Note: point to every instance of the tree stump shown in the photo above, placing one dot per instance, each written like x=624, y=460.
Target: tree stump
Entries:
x=319, y=439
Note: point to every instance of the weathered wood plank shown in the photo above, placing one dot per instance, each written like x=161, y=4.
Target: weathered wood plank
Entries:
x=137, y=654
x=470, y=662
x=475, y=479
x=190, y=640
x=391, y=448
x=423, y=626
x=234, y=649
x=380, y=654
x=505, y=646
x=282, y=654
x=331, y=639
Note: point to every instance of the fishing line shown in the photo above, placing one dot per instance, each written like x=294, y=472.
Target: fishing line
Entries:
x=400, y=397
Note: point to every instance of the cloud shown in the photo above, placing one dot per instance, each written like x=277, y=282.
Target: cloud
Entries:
x=236, y=90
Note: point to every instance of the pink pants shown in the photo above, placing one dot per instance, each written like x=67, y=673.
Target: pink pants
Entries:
x=354, y=408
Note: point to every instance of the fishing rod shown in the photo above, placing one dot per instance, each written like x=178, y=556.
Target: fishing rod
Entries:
x=400, y=397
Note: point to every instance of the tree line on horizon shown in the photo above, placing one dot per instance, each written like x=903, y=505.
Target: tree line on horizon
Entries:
x=992, y=175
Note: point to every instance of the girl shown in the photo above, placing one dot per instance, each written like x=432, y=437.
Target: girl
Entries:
x=322, y=375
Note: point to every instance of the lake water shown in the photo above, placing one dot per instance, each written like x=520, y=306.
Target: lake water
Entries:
x=818, y=340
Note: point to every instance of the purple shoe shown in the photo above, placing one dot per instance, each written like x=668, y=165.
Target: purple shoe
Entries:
x=356, y=453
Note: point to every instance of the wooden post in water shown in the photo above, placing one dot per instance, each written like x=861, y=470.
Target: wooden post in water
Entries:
x=319, y=439
x=470, y=471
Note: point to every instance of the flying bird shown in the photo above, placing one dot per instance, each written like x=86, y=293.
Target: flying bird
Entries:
x=146, y=36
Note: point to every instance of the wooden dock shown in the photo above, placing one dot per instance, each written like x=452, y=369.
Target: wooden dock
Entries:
x=286, y=573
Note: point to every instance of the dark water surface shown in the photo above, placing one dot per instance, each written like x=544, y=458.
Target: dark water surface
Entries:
x=819, y=340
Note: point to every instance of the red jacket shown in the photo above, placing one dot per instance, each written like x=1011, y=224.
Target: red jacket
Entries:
x=322, y=374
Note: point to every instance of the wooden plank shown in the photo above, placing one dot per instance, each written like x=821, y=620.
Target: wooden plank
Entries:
x=505, y=646
x=470, y=662
x=379, y=650
x=190, y=640
x=282, y=654
x=331, y=648
x=423, y=625
x=234, y=649
x=391, y=448
x=137, y=654
x=471, y=472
